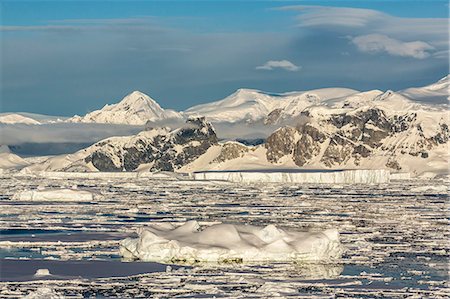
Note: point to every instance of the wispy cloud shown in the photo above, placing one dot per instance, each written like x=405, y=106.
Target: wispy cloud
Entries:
x=379, y=43
x=279, y=64
x=312, y=15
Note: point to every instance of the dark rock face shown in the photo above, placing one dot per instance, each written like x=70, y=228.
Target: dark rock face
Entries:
x=281, y=143
x=309, y=144
x=273, y=116
x=337, y=139
x=167, y=150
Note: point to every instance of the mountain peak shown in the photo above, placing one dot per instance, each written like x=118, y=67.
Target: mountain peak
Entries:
x=137, y=94
x=136, y=108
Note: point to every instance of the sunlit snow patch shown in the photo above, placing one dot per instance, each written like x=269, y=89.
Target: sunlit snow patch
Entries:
x=56, y=195
x=230, y=243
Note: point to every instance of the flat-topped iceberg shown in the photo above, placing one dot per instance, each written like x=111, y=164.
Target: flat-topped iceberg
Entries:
x=189, y=243
x=56, y=195
x=359, y=176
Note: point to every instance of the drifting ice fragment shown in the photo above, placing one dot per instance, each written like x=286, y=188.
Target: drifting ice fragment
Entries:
x=228, y=243
x=42, y=272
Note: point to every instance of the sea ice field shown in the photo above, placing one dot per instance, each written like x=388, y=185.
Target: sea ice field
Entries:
x=395, y=238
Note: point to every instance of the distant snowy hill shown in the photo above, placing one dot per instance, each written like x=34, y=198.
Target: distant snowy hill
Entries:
x=437, y=93
x=25, y=118
x=14, y=118
x=135, y=109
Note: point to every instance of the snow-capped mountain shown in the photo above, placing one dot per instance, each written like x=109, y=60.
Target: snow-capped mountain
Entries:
x=136, y=108
x=325, y=128
x=253, y=105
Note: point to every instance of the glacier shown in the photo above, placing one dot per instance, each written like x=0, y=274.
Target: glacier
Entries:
x=359, y=176
x=189, y=243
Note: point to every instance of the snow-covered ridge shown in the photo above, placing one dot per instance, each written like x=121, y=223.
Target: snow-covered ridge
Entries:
x=136, y=108
x=253, y=105
x=189, y=243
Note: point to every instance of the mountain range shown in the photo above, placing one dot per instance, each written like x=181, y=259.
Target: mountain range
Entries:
x=332, y=128
x=247, y=105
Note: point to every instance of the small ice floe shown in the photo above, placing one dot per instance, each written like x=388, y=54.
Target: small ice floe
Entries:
x=440, y=189
x=56, y=195
x=42, y=272
x=44, y=293
x=230, y=243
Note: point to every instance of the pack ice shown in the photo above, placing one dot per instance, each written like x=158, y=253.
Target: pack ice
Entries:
x=230, y=243
x=55, y=195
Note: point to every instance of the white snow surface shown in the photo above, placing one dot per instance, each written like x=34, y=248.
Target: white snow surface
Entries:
x=230, y=243
x=360, y=176
x=135, y=109
x=55, y=195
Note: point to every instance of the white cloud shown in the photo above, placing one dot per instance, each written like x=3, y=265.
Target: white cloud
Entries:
x=379, y=43
x=428, y=32
x=280, y=64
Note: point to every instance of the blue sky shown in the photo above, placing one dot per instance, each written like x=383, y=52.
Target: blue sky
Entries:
x=71, y=57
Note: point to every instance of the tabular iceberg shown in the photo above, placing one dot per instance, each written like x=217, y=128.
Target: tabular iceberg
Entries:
x=360, y=176
x=55, y=195
x=230, y=243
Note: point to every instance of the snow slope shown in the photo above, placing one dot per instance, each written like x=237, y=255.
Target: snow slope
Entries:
x=135, y=109
x=230, y=243
x=9, y=160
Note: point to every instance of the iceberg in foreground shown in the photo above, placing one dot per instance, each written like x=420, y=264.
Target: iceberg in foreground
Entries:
x=230, y=243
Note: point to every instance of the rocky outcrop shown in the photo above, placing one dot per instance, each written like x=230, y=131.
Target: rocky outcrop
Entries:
x=281, y=143
x=348, y=138
x=166, y=150
x=230, y=151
